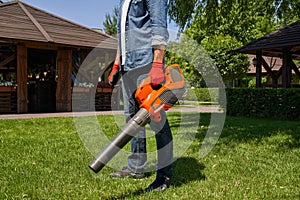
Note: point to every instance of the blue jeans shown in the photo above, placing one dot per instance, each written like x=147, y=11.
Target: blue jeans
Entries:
x=138, y=158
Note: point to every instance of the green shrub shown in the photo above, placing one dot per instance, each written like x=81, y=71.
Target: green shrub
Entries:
x=262, y=102
x=202, y=94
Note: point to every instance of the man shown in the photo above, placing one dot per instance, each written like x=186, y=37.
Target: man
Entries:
x=143, y=35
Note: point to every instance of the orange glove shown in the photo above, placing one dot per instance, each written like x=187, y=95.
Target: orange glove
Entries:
x=114, y=75
x=157, y=73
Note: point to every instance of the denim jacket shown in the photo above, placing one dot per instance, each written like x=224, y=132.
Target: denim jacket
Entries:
x=142, y=24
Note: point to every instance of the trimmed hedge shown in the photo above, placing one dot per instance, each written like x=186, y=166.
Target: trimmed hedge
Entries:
x=202, y=94
x=264, y=102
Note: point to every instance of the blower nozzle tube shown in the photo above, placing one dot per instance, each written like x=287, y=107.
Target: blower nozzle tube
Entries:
x=139, y=120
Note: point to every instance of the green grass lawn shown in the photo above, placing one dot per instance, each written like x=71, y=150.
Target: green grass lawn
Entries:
x=253, y=159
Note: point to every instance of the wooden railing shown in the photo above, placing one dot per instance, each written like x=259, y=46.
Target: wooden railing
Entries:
x=8, y=99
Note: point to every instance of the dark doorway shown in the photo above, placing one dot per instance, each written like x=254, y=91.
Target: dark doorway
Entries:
x=41, y=80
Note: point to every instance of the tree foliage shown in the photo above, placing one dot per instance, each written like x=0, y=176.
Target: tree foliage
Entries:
x=221, y=26
x=212, y=13
x=110, y=23
x=199, y=68
x=221, y=49
x=243, y=19
x=190, y=72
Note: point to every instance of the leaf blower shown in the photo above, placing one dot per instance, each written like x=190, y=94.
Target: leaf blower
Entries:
x=151, y=101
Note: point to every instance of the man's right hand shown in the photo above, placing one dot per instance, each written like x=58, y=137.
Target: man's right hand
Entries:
x=114, y=75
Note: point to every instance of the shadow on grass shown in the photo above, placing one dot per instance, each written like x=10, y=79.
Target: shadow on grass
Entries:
x=185, y=170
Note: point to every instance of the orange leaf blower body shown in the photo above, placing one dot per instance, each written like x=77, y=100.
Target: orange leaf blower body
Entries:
x=151, y=102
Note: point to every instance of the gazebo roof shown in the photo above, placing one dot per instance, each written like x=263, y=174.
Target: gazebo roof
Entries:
x=276, y=42
x=20, y=21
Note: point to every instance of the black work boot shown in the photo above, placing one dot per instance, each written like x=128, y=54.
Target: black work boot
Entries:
x=160, y=184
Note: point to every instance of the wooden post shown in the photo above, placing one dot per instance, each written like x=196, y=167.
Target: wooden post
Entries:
x=22, y=93
x=63, y=91
x=258, y=68
x=286, y=69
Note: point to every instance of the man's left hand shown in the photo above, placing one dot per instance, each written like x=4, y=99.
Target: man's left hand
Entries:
x=157, y=73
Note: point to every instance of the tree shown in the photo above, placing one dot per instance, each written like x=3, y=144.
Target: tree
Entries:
x=110, y=23
x=221, y=26
x=244, y=20
x=287, y=10
x=199, y=68
x=191, y=74
x=230, y=64
x=212, y=11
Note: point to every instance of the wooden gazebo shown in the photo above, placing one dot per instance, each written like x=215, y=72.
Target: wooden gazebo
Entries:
x=284, y=44
x=34, y=43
